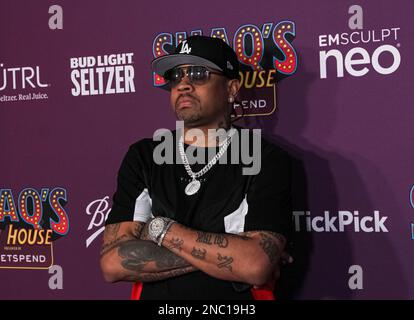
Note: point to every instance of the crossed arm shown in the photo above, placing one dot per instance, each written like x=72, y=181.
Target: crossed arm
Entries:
x=128, y=255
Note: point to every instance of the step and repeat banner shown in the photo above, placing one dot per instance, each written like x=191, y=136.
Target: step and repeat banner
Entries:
x=329, y=81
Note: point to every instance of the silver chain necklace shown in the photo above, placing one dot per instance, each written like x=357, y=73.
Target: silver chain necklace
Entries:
x=195, y=184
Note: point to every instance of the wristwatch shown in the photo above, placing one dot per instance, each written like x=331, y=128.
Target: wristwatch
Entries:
x=158, y=228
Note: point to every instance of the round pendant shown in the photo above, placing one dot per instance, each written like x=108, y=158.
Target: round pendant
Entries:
x=192, y=187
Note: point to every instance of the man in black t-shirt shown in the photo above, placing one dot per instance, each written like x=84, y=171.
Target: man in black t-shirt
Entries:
x=204, y=230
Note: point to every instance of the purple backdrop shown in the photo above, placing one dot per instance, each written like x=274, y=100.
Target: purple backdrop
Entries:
x=351, y=136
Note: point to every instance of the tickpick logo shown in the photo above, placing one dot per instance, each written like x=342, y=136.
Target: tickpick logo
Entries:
x=340, y=222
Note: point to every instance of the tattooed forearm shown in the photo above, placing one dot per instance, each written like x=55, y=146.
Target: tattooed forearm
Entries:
x=204, y=237
x=224, y=262
x=137, y=254
x=269, y=246
x=138, y=229
x=175, y=244
x=108, y=246
x=209, y=238
x=199, y=253
x=111, y=231
x=111, y=238
x=157, y=276
x=221, y=240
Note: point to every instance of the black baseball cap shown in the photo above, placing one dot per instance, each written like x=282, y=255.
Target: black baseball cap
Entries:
x=202, y=51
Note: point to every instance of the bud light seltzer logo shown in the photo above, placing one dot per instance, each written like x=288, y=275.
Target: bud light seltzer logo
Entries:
x=21, y=83
x=29, y=223
x=265, y=53
x=103, y=74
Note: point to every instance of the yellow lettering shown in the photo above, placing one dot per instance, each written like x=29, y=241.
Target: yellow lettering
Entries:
x=22, y=232
x=12, y=235
x=29, y=236
x=48, y=236
x=250, y=85
x=270, y=79
x=261, y=83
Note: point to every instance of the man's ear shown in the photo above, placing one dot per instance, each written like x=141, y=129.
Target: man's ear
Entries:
x=233, y=87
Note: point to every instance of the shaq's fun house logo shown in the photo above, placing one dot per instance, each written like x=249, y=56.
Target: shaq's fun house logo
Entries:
x=21, y=83
x=103, y=74
x=359, y=51
x=29, y=223
x=265, y=53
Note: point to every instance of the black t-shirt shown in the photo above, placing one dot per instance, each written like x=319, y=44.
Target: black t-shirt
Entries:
x=227, y=202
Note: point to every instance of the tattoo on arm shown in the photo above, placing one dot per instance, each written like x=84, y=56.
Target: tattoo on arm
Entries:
x=157, y=276
x=138, y=229
x=224, y=262
x=111, y=231
x=169, y=260
x=144, y=233
x=175, y=243
x=204, y=237
x=199, y=253
x=269, y=246
x=136, y=254
x=209, y=238
x=111, y=239
x=109, y=245
x=221, y=240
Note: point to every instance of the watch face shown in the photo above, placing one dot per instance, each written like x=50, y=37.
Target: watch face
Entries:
x=156, y=226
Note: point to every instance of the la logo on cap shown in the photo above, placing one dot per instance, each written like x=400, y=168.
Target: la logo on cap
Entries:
x=185, y=48
x=229, y=66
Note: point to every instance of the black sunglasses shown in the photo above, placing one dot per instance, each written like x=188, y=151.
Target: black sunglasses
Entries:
x=197, y=75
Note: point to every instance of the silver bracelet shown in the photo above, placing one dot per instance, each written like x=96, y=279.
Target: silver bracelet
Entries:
x=164, y=232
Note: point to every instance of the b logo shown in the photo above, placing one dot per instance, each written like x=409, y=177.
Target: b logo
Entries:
x=185, y=48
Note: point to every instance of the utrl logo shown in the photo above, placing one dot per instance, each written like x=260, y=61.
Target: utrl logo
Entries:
x=15, y=83
x=20, y=78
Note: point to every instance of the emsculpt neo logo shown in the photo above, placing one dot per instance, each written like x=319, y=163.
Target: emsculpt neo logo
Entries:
x=358, y=61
